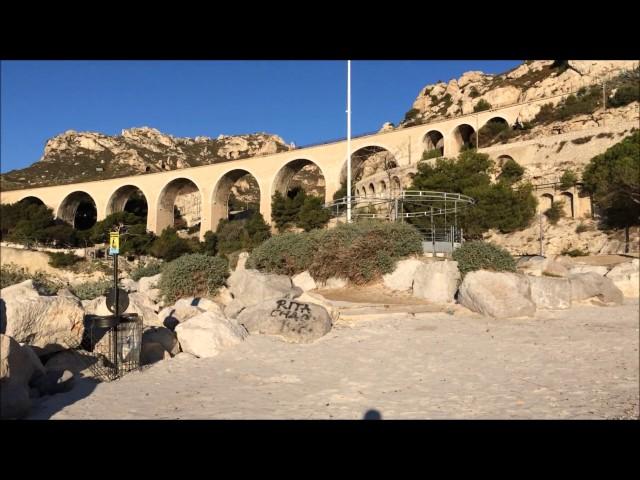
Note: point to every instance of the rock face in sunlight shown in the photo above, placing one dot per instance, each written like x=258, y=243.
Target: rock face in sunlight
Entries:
x=84, y=156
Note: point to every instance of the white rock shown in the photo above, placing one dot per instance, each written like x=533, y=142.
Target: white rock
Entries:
x=203, y=304
x=208, y=334
x=589, y=285
x=498, y=294
x=402, y=277
x=295, y=321
x=550, y=293
x=626, y=277
x=129, y=285
x=148, y=283
x=304, y=280
x=223, y=297
x=170, y=317
x=47, y=323
x=78, y=362
x=242, y=260
x=252, y=287
x=16, y=371
x=436, y=282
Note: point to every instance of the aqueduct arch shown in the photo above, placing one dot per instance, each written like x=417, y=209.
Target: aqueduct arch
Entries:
x=368, y=160
x=464, y=137
x=396, y=185
x=237, y=191
x=128, y=198
x=179, y=195
x=79, y=210
x=546, y=201
x=568, y=207
x=300, y=173
x=433, y=140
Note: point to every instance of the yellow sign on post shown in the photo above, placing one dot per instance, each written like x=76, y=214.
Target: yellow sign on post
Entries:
x=114, y=243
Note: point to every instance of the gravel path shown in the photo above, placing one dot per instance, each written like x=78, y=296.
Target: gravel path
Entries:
x=574, y=364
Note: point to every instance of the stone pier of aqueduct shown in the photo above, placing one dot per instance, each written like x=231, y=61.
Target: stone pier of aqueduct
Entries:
x=208, y=186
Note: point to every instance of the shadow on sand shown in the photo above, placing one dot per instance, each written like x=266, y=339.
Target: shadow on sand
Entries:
x=45, y=407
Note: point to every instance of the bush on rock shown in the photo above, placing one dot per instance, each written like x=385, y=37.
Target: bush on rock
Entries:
x=193, y=275
x=483, y=256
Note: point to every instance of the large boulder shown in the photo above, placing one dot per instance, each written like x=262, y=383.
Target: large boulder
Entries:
x=298, y=322
x=252, y=287
x=538, y=266
x=223, y=297
x=203, y=304
x=162, y=336
x=54, y=381
x=152, y=352
x=626, y=277
x=498, y=294
x=436, y=282
x=16, y=371
x=402, y=277
x=149, y=287
x=47, y=323
x=170, y=317
x=304, y=281
x=233, y=309
x=550, y=293
x=77, y=362
x=585, y=286
x=208, y=334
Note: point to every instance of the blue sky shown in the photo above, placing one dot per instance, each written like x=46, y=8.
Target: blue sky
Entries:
x=302, y=101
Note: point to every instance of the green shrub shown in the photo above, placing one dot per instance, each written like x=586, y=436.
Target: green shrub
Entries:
x=568, y=179
x=62, y=260
x=363, y=251
x=11, y=274
x=210, y=244
x=91, y=290
x=581, y=140
x=312, y=214
x=583, y=228
x=511, y=172
x=360, y=251
x=434, y=153
x=480, y=255
x=194, y=275
x=482, y=105
x=554, y=213
x=169, y=245
x=474, y=93
x=148, y=270
x=287, y=253
x=625, y=95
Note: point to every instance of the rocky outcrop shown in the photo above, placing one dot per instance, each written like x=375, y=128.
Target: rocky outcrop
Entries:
x=208, y=334
x=626, y=276
x=250, y=287
x=296, y=322
x=436, y=282
x=534, y=79
x=75, y=156
x=16, y=371
x=549, y=293
x=402, y=277
x=304, y=281
x=585, y=286
x=149, y=287
x=497, y=294
x=46, y=323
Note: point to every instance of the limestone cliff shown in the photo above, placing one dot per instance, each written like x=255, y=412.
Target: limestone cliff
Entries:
x=84, y=156
x=534, y=79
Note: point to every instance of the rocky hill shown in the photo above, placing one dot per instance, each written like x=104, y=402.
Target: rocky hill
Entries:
x=534, y=79
x=85, y=156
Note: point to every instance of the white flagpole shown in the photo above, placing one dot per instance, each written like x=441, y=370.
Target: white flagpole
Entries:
x=348, y=141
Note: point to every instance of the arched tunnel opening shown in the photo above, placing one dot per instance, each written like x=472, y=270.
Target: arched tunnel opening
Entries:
x=79, y=210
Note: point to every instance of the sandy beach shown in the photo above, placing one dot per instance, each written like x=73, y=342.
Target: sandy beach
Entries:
x=580, y=363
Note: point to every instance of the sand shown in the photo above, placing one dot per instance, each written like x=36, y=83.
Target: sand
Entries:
x=580, y=363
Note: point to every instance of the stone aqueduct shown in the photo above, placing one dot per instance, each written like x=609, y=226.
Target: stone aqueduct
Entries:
x=272, y=173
